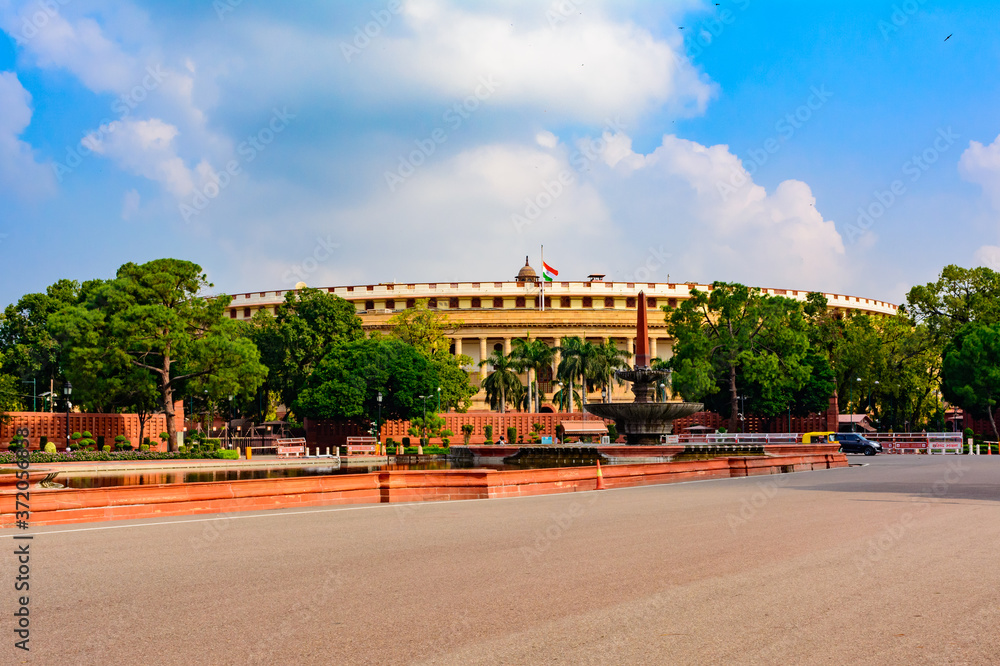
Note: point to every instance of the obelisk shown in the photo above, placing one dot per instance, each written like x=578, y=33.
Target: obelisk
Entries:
x=641, y=335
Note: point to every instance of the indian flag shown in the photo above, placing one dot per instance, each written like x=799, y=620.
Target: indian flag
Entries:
x=548, y=272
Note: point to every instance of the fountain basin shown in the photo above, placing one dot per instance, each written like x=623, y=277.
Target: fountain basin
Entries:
x=642, y=423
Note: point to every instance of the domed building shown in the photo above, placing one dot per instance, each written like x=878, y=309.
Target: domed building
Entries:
x=491, y=314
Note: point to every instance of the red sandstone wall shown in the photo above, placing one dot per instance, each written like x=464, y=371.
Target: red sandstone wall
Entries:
x=61, y=506
x=53, y=426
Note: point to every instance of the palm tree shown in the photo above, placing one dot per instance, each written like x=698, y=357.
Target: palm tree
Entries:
x=608, y=359
x=562, y=396
x=579, y=359
x=503, y=382
x=532, y=355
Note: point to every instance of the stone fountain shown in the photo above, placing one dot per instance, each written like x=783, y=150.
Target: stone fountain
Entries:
x=643, y=420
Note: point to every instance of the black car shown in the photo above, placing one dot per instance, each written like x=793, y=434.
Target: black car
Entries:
x=852, y=442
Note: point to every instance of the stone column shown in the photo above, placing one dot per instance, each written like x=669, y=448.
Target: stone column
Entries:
x=458, y=346
x=652, y=349
x=630, y=346
x=506, y=346
x=482, y=357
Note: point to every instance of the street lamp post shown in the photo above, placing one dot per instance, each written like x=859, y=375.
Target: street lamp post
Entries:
x=423, y=425
x=67, y=391
x=561, y=396
x=229, y=424
x=439, y=399
x=378, y=424
x=663, y=392
x=850, y=397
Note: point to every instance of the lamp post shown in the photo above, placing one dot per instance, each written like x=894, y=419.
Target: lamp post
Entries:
x=229, y=424
x=67, y=391
x=439, y=399
x=850, y=397
x=423, y=425
x=663, y=392
x=378, y=424
x=870, y=397
x=561, y=396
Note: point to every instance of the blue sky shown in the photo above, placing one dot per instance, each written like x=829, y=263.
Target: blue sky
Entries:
x=844, y=147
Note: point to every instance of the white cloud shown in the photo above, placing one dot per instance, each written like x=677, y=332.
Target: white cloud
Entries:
x=145, y=148
x=989, y=256
x=78, y=46
x=981, y=165
x=671, y=197
x=20, y=174
x=588, y=67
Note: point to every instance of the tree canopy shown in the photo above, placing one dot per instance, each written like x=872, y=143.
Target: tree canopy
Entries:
x=971, y=376
x=734, y=330
x=348, y=380
x=303, y=330
x=153, y=324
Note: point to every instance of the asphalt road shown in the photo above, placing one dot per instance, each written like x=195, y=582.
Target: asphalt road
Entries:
x=895, y=562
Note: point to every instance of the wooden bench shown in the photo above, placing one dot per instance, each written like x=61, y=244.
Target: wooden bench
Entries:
x=361, y=449
x=295, y=446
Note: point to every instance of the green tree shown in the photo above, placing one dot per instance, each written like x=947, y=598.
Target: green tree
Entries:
x=347, y=382
x=502, y=385
x=958, y=297
x=971, y=376
x=154, y=318
x=532, y=355
x=10, y=393
x=299, y=335
x=30, y=350
x=733, y=330
x=581, y=359
x=608, y=359
x=427, y=330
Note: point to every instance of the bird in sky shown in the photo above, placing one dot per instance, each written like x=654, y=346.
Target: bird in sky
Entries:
x=948, y=37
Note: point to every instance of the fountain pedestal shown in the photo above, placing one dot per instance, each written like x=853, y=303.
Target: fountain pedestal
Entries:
x=643, y=420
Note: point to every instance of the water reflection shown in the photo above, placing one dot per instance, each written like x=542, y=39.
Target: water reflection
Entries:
x=112, y=479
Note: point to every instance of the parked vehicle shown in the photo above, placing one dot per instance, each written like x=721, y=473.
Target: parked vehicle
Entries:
x=818, y=437
x=852, y=442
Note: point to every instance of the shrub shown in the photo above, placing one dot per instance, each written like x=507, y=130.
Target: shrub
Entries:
x=43, y=441
x=147, y=441
x=87, y=435
x=488, y=431
x=467, y=430
x=445, y=442
x=389, y=442
x=127, y=447
x=511, y=434
x=560, y=432
x=488, y=442
x=50, y=447
x=213, y=443
x=612, y=432
x=144, y=447
x=106, y=448
x=406, y=441
x=229, y=455
x=75, y=436
x=164, y=436
x=120, y=438
x=100, y=441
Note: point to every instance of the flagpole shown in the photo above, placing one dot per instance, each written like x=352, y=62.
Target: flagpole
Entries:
x=542, y=302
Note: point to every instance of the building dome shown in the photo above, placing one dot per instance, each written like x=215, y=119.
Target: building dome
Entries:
x=527, y=273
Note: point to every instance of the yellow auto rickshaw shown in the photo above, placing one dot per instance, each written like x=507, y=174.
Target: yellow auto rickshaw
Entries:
x=818, y=438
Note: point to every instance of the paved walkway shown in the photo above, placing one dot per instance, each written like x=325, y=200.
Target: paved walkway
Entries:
x=891, y=563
